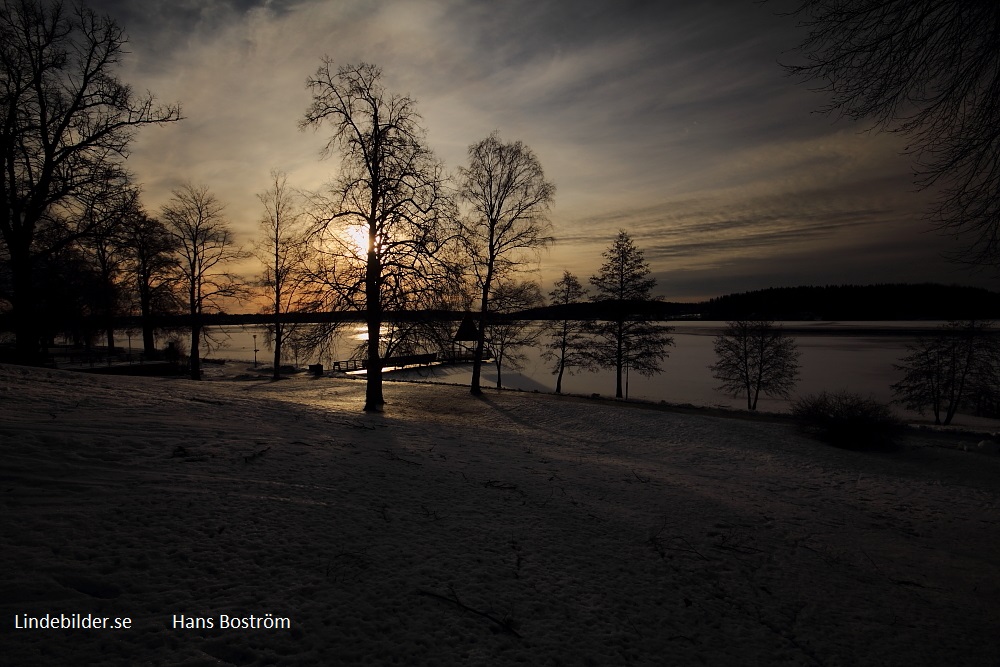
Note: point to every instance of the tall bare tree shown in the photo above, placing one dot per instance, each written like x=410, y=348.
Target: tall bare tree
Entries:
x=282, y=249
x=507, y=223
x=929, y=70
x=755, y=356
x=195, y=219
x=389, y=195
x=66, y=122
x=628, y=339
x=569, y=338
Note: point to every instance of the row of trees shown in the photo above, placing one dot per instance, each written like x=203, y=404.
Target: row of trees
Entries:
x=957, y=367
x=68, y=203
x=627, y=339
x=66, y=122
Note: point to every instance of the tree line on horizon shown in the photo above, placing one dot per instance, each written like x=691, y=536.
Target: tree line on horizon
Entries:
x=391, y=232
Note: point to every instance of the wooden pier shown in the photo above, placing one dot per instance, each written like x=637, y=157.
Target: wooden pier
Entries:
x=408, y=360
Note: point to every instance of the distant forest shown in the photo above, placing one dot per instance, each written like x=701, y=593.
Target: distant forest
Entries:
x=831, y=302
x=858, y=302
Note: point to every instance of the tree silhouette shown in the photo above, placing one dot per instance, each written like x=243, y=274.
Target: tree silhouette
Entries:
x=506, y=335
x=569, y=340
x=205, y=245
x=505, y=187
x=629, y=339
x=282, y=248
x=945, y=371
x=66, y=122
x=930, y=70
x=390, y=189
x=754, y=356
x=108, y=220
x=151, y=262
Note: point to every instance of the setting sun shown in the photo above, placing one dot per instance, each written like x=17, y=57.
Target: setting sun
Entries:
x=357, y=239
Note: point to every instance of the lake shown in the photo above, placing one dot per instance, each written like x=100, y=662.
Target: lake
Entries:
x=833, y=356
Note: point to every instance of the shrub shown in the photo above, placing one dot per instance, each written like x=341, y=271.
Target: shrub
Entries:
x=847, y=419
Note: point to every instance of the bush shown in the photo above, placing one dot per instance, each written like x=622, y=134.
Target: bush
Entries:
x=847, y=419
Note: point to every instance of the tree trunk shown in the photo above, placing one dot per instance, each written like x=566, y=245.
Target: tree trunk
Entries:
x=26, y=333
x=145, y=315
x=110, y=329
x=278, y=336
x=477, y=361
x=109, y=319
x=278, y=280
x=562, y=357
x=195, y=357
x=619, y=361
x=374, y=399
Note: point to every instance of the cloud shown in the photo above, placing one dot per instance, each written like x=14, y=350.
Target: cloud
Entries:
x=671, y=120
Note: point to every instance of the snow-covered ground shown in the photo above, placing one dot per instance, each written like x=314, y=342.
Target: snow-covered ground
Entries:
x=513, y=529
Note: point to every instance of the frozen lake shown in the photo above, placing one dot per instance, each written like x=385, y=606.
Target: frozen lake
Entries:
x=833, y=356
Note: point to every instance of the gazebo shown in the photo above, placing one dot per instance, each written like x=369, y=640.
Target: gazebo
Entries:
x=467, y=333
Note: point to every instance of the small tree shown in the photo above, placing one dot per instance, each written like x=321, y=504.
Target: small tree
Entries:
x=505, y=336
x=754, y=356
x=568, y=346
x=509, y=198
x=629, y=339
x=151, y=262
x=282, y=249
x=205, y=244
x=943, y=372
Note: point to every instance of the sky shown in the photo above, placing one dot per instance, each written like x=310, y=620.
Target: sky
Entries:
x=674, y=121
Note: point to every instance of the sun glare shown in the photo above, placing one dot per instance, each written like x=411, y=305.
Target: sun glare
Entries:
x=357, y=239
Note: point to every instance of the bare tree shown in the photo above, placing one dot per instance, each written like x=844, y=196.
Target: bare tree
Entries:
x=568, y=347
x=389, y=195
x=151, y=262
x=505, y=187
x=945, y=371
x=108, y=219
x=66, y=122
x=195, y=219
x=930, y=70
x=629, y=339
x=282, y=249
x=755, y=356
x=506, y=335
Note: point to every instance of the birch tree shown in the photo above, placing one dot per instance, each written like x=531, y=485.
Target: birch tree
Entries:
x=507, y=222
x=568, y=346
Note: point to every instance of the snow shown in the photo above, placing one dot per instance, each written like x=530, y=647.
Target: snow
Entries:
x=518, y=528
